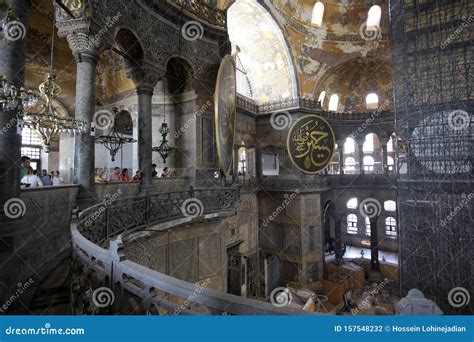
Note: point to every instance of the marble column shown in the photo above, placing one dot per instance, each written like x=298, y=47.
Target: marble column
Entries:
x=384, y=142
x=338, y=237
x=360, y=145
x=145, y=79
x=84, y=146
x=145, y=159
x=374, y=275
x=340, y=147
x=12, y=65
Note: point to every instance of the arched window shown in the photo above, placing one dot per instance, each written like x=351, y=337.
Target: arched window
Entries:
x=31, y=146
x=349, y=165
x=318, y=13
x=390, y=163
x=373, y=19
x=372, y=101
x=390, y=226
x=369, y=143
x=242, y=81
x=322, y=96
x=352, y=203
x=390, y=145
x=349, y=146
x=351, y=224
x=369, y=164
x=367, y=226
x=333, y=103
x=242, y=167
x=390, y=205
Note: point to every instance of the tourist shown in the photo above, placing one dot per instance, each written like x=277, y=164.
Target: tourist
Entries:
x=24, y=164
x=154, y=173
x=98, y=176
x=125, y=177
x=45, y=178
x=166, y=172
x=31, y=180
x=57, y=179
x=138, y=176
x=115, y=176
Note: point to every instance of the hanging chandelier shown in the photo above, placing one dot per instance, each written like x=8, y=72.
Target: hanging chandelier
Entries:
x=164, y=149
x=48, y=121
x=114, y=140
x=12, y=98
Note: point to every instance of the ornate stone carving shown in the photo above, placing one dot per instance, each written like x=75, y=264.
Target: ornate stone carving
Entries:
x=145, y=76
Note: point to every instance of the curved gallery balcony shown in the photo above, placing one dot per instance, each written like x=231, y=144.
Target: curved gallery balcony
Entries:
x=101, y=238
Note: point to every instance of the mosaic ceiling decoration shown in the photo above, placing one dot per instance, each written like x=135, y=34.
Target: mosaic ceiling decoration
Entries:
x=263, y=52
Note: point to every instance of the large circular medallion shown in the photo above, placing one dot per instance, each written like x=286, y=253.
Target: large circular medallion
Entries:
x=311, y=144
x=225, y=103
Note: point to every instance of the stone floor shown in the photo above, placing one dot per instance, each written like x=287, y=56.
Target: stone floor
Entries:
x=354, y=252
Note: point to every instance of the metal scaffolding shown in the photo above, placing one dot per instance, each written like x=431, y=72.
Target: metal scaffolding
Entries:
x=432, y=59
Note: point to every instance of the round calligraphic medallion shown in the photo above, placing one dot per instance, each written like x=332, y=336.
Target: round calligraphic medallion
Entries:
x=225, y=104
x=311, y=144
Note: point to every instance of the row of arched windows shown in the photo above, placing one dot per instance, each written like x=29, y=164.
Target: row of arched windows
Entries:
x=390, y=222
x=373, y=17
x=371, y=101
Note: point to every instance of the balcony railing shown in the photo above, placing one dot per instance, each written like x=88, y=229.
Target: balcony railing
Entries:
x=211, y=15
x=130, y=288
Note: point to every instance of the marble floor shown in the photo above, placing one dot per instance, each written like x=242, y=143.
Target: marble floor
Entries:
x=354, y=252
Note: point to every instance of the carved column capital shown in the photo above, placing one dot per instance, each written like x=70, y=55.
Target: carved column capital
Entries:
x=83, y=37
x=145, y=76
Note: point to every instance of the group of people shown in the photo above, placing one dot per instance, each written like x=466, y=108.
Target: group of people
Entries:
x=31, y=179
x=121, y=175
